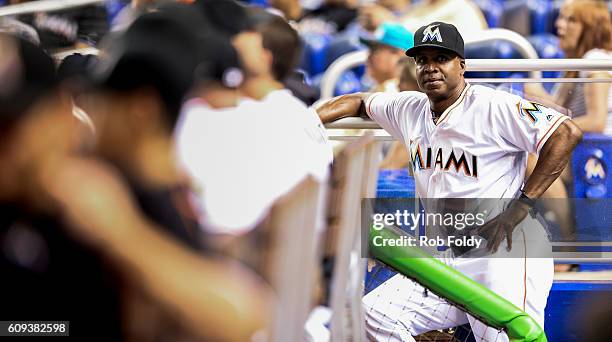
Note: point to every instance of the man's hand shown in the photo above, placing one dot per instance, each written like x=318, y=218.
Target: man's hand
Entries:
x=503, y=225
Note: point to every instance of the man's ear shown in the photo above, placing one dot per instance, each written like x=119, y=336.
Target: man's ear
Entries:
x=462, y=64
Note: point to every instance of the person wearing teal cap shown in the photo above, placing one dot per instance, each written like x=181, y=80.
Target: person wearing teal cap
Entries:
x=387, y=47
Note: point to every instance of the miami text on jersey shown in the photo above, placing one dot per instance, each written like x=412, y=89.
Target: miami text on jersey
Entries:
x=446, y=159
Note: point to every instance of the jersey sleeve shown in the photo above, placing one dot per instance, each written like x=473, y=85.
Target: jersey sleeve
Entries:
x=393, y=111
x=526, y=125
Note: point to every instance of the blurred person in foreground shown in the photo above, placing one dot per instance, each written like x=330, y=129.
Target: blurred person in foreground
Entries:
x=47, y=274
x=585, y=31
x=238, y=176
x=167, y=289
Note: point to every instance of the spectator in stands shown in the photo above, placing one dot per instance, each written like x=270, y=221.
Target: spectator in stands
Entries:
x=386, y=50
x=397, y=156
x=332, y=17
x=585, y=31
x=70, y=28
x=464, y=14
x=373, y=15
x=236, y=180
x=282, y=43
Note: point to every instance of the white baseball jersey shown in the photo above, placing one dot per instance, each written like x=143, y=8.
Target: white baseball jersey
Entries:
x=477, y=149
x=479, y=146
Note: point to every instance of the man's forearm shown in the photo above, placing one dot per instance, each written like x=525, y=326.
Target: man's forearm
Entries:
x=553, y=158
x=343, y=106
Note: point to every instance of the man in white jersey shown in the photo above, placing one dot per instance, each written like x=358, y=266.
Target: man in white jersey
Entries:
x=465, y=141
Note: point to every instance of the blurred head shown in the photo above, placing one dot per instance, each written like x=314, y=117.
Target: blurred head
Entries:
x=382, y=62
x=36, y=124
x=582, y=26
x=281, y=41
x=232, y=20
x=386, y=49
x=394, y=5
x=407, y=75
x=143, y=78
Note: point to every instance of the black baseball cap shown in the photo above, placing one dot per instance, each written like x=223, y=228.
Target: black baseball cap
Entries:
x=438, y=35
x=27, y=73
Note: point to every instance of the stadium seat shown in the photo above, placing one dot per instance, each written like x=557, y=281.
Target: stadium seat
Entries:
x=591, y=163
x=492, y=10
x=347, y=83
x=566, y=308
x=527, y=17
x=314, y=52
x=340, y=46
x=490, y=50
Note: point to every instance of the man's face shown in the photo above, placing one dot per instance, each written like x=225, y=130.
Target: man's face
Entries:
x=439, y=72
x=382, y=62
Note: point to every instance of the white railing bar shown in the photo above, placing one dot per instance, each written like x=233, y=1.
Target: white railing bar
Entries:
x=353, y=59
x=542, y=64
x=352, y=123
x=354, y=137
x=579, y=260
x=593, y=277
x=539, y=80
x=45, y=6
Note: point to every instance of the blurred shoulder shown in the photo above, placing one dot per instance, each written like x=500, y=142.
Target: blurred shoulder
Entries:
x=598, y=54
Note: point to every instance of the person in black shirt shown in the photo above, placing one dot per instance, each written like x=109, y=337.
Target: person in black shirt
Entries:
x=46, y=273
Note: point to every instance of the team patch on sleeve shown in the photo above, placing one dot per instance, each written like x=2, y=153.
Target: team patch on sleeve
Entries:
x=534, y=112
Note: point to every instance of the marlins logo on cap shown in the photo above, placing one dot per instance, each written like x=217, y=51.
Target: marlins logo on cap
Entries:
x=438, y=35
x=432, y=32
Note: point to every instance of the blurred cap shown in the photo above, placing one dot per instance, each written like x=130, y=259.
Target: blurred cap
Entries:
x=391, y=34
x=76, y=66
x=227, y=16
x=438, y=35
x=160, y=49
x=27, y=73
x=220, y=63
